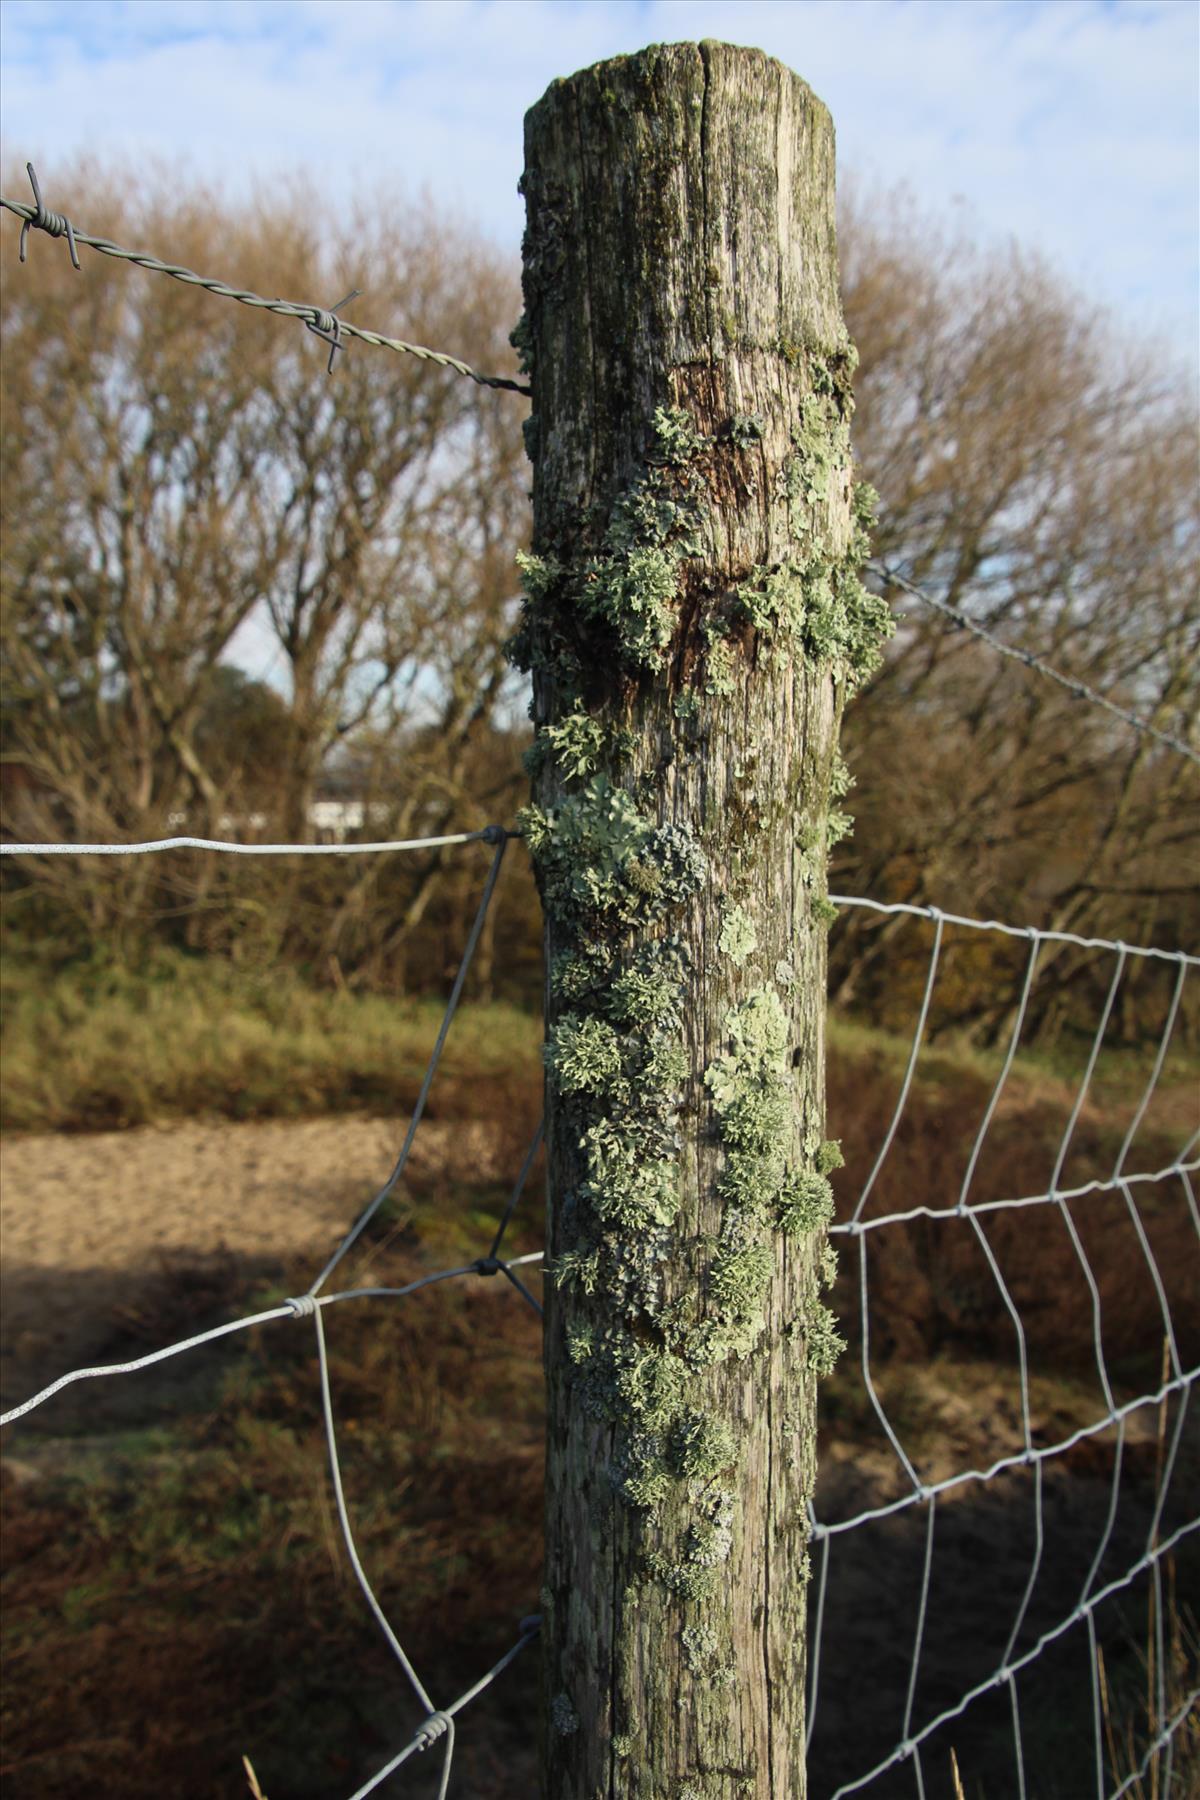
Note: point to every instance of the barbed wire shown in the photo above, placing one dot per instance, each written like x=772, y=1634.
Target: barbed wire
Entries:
x=321, y=321
x=1078, y=690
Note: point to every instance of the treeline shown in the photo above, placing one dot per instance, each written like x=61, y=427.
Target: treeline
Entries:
x=187, y=496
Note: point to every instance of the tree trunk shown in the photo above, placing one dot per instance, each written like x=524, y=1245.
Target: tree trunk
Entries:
x=692, y=619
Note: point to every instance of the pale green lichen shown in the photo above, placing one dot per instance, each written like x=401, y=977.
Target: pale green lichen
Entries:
x=719, y=682
x=824, y=1342
x=708, y=1656
x=676, y=439
x=601, y=862
x=805, y=1204
x=749, y=1084
x=576, y=745
x=584, y=1056
x=624, y=1745
x=738, y=937
x=628, y=582
x=739, y=1277
x=745, y=429
x=829, y=1156
x=702, y=1446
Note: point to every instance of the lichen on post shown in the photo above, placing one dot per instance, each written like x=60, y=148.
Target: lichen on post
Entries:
x=692, y=622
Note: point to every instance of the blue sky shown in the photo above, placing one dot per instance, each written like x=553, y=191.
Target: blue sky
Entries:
x=1069, y=124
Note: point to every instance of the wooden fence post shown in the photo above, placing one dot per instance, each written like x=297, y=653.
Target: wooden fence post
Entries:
x=692, y=621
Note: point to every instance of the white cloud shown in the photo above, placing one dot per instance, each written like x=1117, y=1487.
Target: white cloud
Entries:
x=1070, y=124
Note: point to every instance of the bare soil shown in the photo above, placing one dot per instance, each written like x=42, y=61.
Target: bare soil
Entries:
x=91, y=1225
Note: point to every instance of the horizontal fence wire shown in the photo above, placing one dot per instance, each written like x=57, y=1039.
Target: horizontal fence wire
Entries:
x=1078, y=690
x=1112, y=1419
x=491, y=834
x=323, y=322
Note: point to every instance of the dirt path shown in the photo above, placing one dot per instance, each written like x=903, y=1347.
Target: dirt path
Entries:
x=89, y=1222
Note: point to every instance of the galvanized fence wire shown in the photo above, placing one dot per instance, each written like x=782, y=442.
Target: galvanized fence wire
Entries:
x=1175, y=1389
x=322, y=321
x=438, y=1724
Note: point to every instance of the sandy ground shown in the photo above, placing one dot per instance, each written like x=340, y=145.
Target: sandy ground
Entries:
x=89, y=1223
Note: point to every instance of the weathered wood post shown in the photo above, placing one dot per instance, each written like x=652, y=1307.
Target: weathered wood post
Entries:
x=692, y=621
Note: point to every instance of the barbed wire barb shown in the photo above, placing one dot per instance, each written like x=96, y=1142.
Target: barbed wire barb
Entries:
x=329, y=327
x=54, y=224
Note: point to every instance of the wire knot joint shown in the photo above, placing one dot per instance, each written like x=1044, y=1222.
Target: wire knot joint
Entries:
x=435, y=1726
x=303, y=1305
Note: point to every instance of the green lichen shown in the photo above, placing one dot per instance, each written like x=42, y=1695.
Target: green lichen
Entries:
x=584, y=1056
x=646, y=993
x=739, y=1277
x=628, y=582
x=708, y=1656
x=702, y=1446
x=749, y=1085
x=614, y=883
x=676, y=439
x=624, y=1745
x=805, y=1203
x=602, y=864
x=824, y=1342
x=745, y=429
x=819, y=609
x=738, y=937
x=829, y=1156
x=576, y=745
x=719, y=682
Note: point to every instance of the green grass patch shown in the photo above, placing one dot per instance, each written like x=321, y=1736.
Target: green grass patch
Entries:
x=92, y=1046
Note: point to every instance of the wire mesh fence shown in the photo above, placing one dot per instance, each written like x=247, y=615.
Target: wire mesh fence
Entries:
x=1043, y=1535
x=932, y=1514
x=914, y=1548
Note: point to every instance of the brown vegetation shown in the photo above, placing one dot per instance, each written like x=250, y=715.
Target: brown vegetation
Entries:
x=175, y=1591
x=179, y=470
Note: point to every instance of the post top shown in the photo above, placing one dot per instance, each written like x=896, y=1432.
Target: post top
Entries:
x=702, y=55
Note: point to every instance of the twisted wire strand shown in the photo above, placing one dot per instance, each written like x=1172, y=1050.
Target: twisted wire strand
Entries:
x=319, y=319
x=1078, y=690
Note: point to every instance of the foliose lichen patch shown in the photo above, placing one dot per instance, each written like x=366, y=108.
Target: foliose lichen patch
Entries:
x=616, y=885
